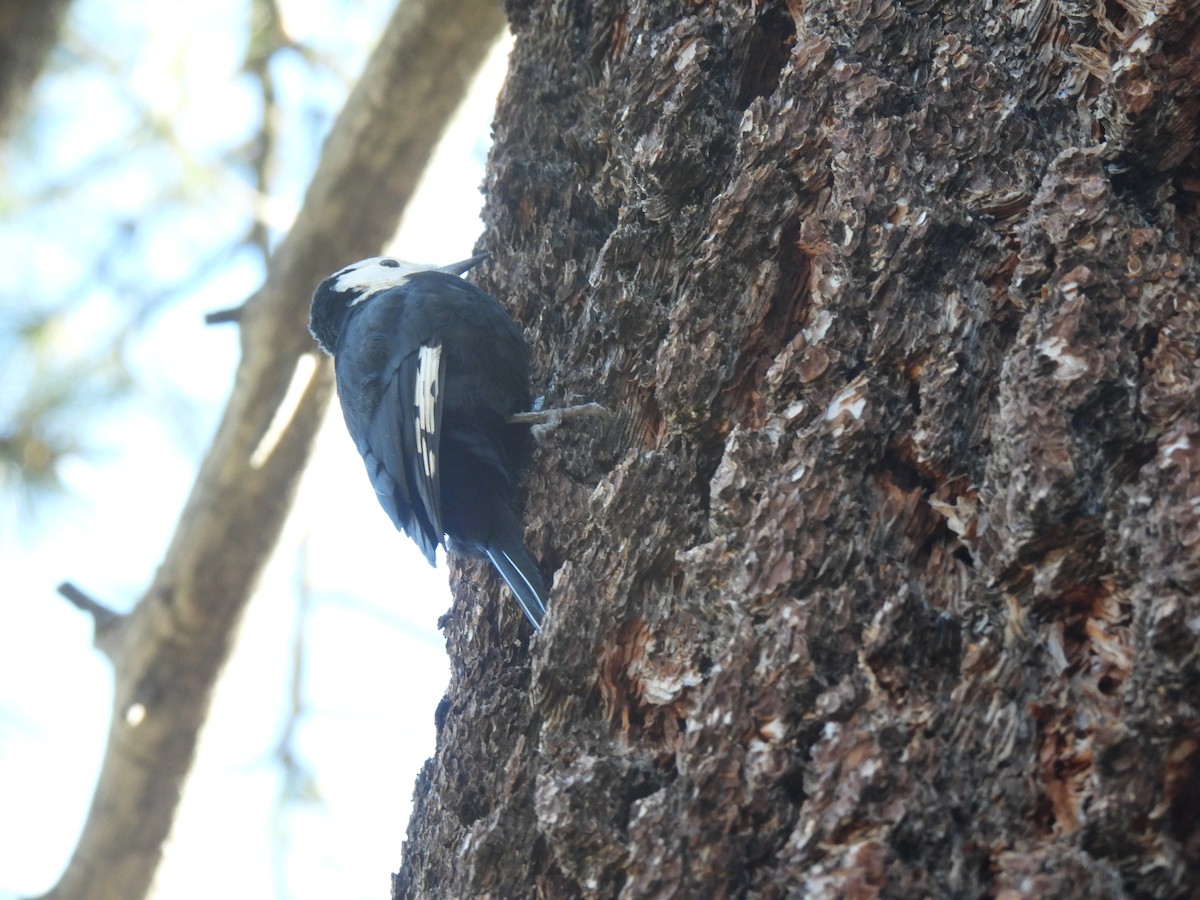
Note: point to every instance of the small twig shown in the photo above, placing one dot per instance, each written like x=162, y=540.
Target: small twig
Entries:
x=221, y=316
x=81, y=599
x=104, y=620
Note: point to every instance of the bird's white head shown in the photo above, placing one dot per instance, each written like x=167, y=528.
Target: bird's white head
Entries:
x=381, y=273
x=346, y=288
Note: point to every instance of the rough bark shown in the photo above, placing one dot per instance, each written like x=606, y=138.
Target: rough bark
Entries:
x=884, y=582
x=169, y=650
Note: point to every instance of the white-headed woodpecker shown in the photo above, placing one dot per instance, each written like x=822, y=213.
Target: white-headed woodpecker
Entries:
x=430, y=371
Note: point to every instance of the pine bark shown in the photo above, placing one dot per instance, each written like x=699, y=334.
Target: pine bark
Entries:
x=883, y=581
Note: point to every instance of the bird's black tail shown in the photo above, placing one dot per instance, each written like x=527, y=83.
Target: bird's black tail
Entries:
x=521, y=574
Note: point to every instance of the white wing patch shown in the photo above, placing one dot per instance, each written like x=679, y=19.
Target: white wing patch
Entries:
x=429, y=364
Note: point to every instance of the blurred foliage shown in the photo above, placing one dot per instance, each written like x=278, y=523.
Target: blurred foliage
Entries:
x=148, y=174
x=55, y=398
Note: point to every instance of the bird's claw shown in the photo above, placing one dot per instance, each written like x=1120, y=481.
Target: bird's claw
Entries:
x=543, y=421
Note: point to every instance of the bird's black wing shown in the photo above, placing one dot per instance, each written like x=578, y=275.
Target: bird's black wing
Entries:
x=377, y=371
x=418, y=388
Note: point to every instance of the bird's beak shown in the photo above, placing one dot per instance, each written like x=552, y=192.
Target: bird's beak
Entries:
x=459, y=267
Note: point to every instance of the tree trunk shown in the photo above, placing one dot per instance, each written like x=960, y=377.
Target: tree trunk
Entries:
x=884, y=579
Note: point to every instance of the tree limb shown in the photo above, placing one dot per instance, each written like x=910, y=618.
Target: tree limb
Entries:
x=28, y=32
x=179, y=634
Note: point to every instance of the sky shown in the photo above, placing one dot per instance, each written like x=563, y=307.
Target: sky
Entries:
x=344, y=586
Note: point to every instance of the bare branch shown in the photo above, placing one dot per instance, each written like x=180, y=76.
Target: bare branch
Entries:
x=101, y=614
x=28, y=32
x=105, y=621
x=179, y=634
x=267, y=39
x=224, y=316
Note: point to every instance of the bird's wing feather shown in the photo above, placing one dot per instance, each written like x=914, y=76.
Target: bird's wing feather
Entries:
x=521, y=574
x=391, y=428
x=389, y=347
x=429, y=379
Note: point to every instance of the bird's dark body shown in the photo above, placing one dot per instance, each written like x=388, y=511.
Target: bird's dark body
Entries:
x=481, y=456
x=457, y=480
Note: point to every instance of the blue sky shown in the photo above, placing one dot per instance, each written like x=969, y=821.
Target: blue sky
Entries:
x=374, y=662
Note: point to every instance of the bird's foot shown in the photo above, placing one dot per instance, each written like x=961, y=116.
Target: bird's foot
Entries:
x=543, y=421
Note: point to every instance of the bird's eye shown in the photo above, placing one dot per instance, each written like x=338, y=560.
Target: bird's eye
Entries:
x=390, y=263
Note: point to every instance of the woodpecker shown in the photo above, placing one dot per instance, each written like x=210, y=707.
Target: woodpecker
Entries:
x=430, y=373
